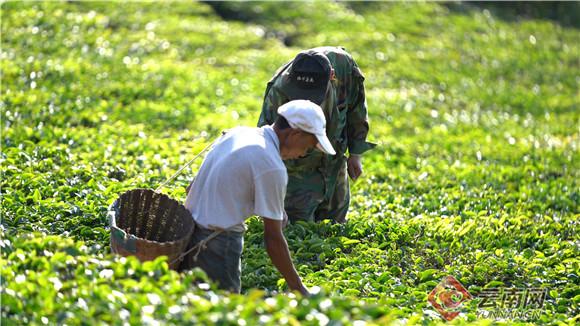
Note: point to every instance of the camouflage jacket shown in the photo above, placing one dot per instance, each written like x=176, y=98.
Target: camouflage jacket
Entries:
x=344, y=107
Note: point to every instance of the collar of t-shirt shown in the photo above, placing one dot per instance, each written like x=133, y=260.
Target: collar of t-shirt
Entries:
x=270, y=133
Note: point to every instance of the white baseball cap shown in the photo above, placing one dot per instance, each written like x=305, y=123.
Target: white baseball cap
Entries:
x=308, y=116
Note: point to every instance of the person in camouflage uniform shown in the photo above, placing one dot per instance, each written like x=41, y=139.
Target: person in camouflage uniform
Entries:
x=317, y=183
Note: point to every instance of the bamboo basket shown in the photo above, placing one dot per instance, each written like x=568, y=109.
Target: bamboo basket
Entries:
x=148, y=224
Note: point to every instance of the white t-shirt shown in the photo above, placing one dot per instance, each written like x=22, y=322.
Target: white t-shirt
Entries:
x=243, y=175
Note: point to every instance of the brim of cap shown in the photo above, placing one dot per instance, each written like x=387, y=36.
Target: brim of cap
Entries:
x=324, y=145
x=296, y=93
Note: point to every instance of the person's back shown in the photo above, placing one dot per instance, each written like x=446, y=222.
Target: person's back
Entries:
x=342, y=62
x=238, y=159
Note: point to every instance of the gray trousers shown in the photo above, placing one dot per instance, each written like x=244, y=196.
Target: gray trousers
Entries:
x=220, y=260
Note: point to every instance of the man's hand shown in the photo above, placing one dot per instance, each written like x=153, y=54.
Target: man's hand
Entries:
x=354, y=166
x=280, y=255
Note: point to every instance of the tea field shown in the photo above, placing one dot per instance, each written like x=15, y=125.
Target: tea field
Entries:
x=477, y=114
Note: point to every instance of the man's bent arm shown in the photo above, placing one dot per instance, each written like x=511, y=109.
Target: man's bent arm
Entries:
x=357, y=125
x=277, y=249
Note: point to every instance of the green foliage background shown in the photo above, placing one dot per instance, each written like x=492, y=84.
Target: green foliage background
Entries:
x=476, y=176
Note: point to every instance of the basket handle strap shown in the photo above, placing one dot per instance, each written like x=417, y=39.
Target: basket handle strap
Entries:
x=183, y=167
x=199, y=247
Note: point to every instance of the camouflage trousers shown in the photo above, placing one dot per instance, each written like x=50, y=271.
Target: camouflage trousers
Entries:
x=319, y=194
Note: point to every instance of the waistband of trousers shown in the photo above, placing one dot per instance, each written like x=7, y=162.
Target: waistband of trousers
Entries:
x=212, y=228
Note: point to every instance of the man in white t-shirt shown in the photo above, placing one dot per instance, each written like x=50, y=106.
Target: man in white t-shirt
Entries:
x=243, y=175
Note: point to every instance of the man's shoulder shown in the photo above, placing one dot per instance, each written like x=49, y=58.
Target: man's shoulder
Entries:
x=256, y=144
x=240, y=130
x=246, y=135
x=239, y=140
